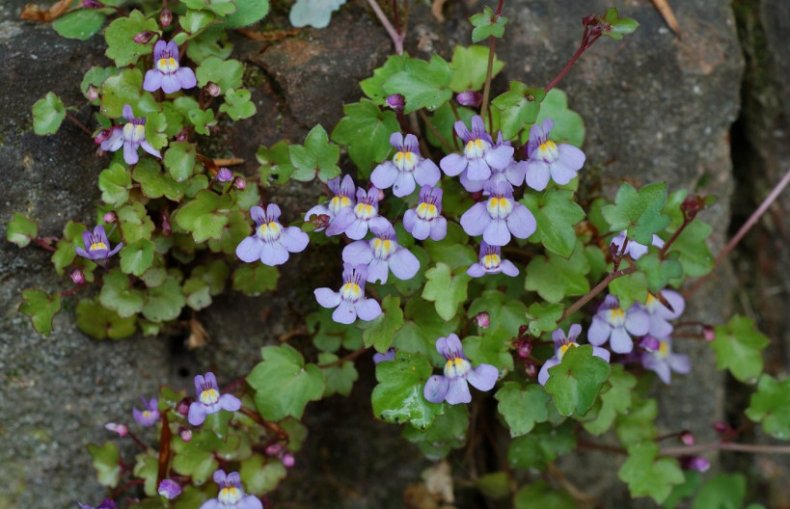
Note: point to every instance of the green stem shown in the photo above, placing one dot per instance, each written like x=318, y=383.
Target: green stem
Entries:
x=490, y=69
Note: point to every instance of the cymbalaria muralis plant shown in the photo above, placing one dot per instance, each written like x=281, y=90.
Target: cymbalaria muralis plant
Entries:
x=464, y=245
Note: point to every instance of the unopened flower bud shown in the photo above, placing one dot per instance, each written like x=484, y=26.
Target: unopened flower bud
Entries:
x=186, y=435
x=524, y=349
x=396, y=102
x=143, y=37
x=708, y=333
x=695, y=463
x=288, y=460
x=182, y=135
x=381, y=194
x=169, y=489
x=320, y=221
x=724, y=430
x=77, y=277
x=477, y=195
x=166, y=228
x=522, y=330
x=109, y=217
x=239, y=183
x=483, y=320
x=183, y=407
x=102, y=136
x=691, y=206
x=650, y=343
x=224, y=175
x=469, y=98
x=213, y=89
x=92, y=4
x=688, y=438
x=274, y=449
x=165, y=17
x=530, y=369
x=121, y=429
x=92, y=93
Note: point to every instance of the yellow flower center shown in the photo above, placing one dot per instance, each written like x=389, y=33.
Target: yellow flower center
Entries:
x=616, y=317
x=382, y=248
x=548, y=151
x=491, y=261
x=564, y=348
x=133, y=132
x=475, y=148
x=427, y=211
x=270, y=231
x=337, y=203
x=456, y=367
x=364, y=210
x=96, y=246
x=663, y=349
x=229, y=495
x=405, y=161
x=167, y=65
x=499, y=207
x=209, y=396
x=350, y=291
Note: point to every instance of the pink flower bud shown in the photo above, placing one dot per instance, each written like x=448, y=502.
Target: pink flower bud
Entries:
x=143, y=37
x=92, y=93
x=109, y=217
x=121, y=429
x=92, y=4
x=522, y=330
x=77, y=277
x=381, y=194
x=524, y=349
x=239, y=183
x=165, y=17
x=483, y=320
x=224, y=175
x=708, y=333
x=103, y=136
x=288, y=460
x=182, y=135
x=186, y=435
x=183, y=407
x=396, y=102
x=695, y=463
x=530, y=369
x=650, y=343
x=274, y=449
x=687, y=438
x=213, y=89
x=469, y=98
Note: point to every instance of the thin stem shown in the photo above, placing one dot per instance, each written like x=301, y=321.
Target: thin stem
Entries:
x=74, y=120
x=270, y=426
x=725, y=446
x=45, y=243
x=445, y=144
x=396, y=17
x=490, y=68
x=565, y=70
x=668, y=244
x=137, y=440
x=595, y=291
x=397, y=38
x=164, y=450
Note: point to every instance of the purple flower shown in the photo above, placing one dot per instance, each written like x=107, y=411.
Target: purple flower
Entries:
x=382, y=254
x=355, y=221
x=425, y=219
x=271, y=242
x=167, y=74
x=396, y=102
x=617, y=325
x=149, y=415
x=561, y=345
x=660, y=314
x=406, y=167
x=169, y=489
x=480, y=155
x=663, y=362
x=107, y=503
x=342, y=198
x=452, y=387
x=498, y=217
x=512, y=174
x=695, y=463
x=634, y=249
x=131, y=136
x=224, y=175
x=491, y=262
x=350, y=301
x=97, y=246
x=469, y=98
x=209, y=401
x=547, y=159
x=378, y=358
x=231, y=494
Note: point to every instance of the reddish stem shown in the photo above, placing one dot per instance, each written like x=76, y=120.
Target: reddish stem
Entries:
x=164, y=449
x=595, y=291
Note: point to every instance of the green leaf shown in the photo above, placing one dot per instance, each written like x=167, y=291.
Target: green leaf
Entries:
x=115, y=183
x=618, y=27
x=328, y=335
x=81, y=24
x=575, y=382
x=297, y=384
x=423, y=84
x=154, y=183
x=540, y=495
x=629, y=289
x=521, y=407
x=261, y=475
x=195, y=21
x=382, y=330
x=340, y=377
x=638, y=425
x=205, y=216
x=540, y=447
x=65, y=253
x=317, y=156
x=225, y=73
x=555, y=278
x=517, y=108
x=314, y=13
x=96, y=76
x=366, y=131
x=447, y=432
x=568, y=125
x=486, y=26
x=180, y=160
x=638, y=211
x=445, y=290
x=164, y=302
x=195, y=458
x=120, y=38
x=659, y=272
x=255, y=279
x=125, y=87
x=134, y=222
x=21, y=230
x=738, y=347
x=543, y=317
x=495, y=485
x=504, y=313
x=469, y=67
x=247, y=13
x=493, y=347
x=692, y=249
x=556, y=214
x=647, y=476
x=48, y=114
x=118, y=295
x=373, y=87
x=423, y=326
x=725, y=491
x=770, y=405
x=107, y=463
x=615, y=400
x=137, y=257
x=99, y=322
x=146, y=467
x=275, y=164
x=452, y=250
x=237, y=104
x=41, y=308
x=398, y=396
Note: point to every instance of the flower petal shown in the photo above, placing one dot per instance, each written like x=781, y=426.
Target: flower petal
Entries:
x=438, y=228
x=427, y=173
x=345, y=313
x=475, y=220
x=421, y=229
x=130, y=153
x=368, y=309
x=378, y=270
x=186, y=78
x=170, y=83
x=637, y=321
x=543, y=374
x=357, y=229
x=560, y=173
x=404, y=184
x=508, y=268
x=483, y=377
x=273, y=253
x=403, y=264
x=521, y=222
x=197, y=413
x=384, y=175
x=153, y=80
x=570, y=156
x=229, y=402
x=453, y=164
x=326, y=297
x=620, y=341
x=599, y=331
x=537, y=176
x=476, y=270
x=497, y=233
x=458, y=391
x=294, y=239
x=249, y=249
x=436, y=388
x=358, y=253
x=499, y=157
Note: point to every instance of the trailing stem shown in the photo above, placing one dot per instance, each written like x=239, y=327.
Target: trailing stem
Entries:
x=395, y=33
x=490, y=69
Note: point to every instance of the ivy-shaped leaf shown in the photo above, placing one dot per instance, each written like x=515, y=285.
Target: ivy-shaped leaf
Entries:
x=115, y=183
x=575, y=382
x=521, y=407
x=41, y=308
x=738, y=347
x=119, y=35
x=317, y=157
x=365, y=130
x=107, y=463
x=340, y=377
x=381, y=332
x=648, y=476
x=770, y=405
x=638, y=211
x=517, y=108
x=486, y=26
x=469, y=67
x=445, y=290
x=423, y=84
x=21, y=230
x=555, y=277
x=556, y=214
x=48, y=114
x=398, y=397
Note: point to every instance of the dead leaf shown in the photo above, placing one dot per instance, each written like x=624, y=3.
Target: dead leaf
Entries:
x=436, y=10
x=669, y=16
x=439, y=481
x=198, y=337
x=33, y=12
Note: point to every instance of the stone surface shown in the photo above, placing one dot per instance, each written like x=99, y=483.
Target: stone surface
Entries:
x=657, y=108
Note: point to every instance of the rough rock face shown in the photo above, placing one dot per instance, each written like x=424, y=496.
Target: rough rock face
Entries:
x=657, y=108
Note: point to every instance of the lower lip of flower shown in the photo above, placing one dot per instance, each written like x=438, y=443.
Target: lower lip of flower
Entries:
x=427, y=211
x=229, y=495
x=476, y=148
x=351, y=291
x=269, y=231
x=491, y=261
x=364, y=211
x=457, y=366
x=209, y=396
x=167, y=65
x=338, y=203
x=405, y=161
x=548, y=151
x=499, y=207
x=616, y=317
x=98, y=246
x=382, y=248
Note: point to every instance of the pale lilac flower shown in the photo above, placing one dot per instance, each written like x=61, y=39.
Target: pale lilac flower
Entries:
x=426, y=219
x=561, y=345
x=121, y=429
x=660, y=314
x=209, y=401
x=97, y=246
x=389, y=355
x=453, y=387
x=469, y=98
x=224, y=175
x=396, y=102
x=107, y=503
x=480, y=154
x=288, y=460
x=498, y=217
x=231, y=494
x=491, y=262
x=167, y=73
x=342, y=198
x=512, y=174
x=169, y=489
x=547, y=159
x=350, y=301
x=382, y=254
x=634, y=249
x=663, y=361
x=149, y=415
x=131, y=136
x=406, y=168
x=271, y=241
x=356, y=220
x=613, y=323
